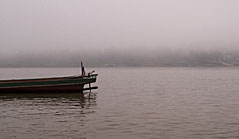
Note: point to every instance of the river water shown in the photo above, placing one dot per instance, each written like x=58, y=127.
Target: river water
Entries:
x=131, y=103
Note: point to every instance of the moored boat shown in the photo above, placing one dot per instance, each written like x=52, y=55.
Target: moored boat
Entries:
x=66, y=84
x=54, y=84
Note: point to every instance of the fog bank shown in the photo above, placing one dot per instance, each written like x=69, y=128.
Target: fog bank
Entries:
x=44, y=32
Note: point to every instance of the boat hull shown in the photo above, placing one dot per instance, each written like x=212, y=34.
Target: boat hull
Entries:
x=46, y=85
x=44, y=89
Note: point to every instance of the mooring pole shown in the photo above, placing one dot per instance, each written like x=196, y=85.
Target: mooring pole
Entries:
x=90, y=87
x=90, y=90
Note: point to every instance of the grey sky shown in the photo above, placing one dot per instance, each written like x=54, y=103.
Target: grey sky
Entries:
x=73, y=25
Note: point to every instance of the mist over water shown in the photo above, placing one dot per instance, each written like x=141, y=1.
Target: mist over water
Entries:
x=58, y=29
x=127, y=58
x=153, y=100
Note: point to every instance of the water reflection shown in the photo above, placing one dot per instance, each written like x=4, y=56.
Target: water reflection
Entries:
x=46, y=115
x=83, y=99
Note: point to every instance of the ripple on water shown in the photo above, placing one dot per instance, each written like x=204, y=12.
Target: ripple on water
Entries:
x=132, y=103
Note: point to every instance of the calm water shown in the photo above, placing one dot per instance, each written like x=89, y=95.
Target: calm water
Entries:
x=131, y=103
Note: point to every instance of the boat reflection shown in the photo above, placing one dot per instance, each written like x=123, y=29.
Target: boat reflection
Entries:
x=82, y=99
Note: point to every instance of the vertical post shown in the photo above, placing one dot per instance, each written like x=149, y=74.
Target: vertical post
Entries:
x=90, y=90
x=90, y=87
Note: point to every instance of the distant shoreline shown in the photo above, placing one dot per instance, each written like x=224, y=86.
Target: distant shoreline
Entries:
x=195, y=66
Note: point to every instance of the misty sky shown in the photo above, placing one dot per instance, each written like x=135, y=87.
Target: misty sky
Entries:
x=40, y=26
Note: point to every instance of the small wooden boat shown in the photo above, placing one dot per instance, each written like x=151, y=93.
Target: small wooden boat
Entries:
x=54, y=84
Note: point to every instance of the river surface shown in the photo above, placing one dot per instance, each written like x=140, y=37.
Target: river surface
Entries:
x=131, y=103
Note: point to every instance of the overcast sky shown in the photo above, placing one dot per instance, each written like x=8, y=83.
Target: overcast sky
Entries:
x=76, y=25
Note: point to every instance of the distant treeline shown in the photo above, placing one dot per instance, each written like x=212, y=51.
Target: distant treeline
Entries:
x=126, y=59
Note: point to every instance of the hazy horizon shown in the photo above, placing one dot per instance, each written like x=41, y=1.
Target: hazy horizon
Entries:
x=61, y=28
